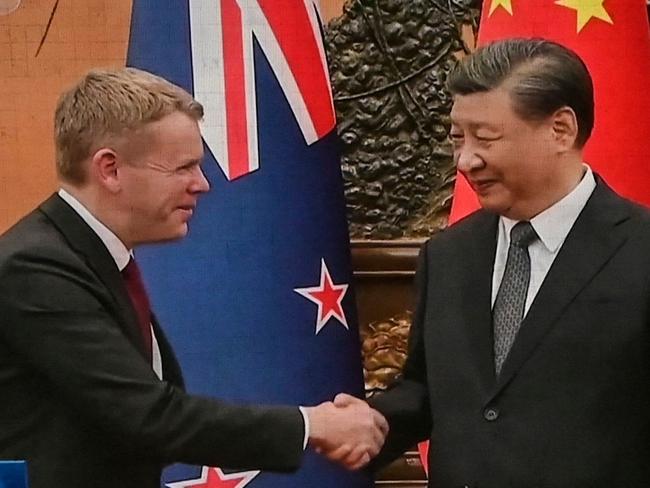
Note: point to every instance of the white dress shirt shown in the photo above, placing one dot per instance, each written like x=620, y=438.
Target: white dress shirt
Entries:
x=120, y=255
x=552, y=227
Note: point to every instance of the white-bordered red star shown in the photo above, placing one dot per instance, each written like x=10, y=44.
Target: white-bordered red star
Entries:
x=328, y=296
x=215, y=478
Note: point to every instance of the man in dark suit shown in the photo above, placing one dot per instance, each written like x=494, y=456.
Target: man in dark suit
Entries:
x=90, y=392
x=529, y=359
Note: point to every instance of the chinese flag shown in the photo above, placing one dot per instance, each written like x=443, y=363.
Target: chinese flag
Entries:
x=611, y=36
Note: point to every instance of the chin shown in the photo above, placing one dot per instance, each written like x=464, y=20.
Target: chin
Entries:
x=179, y=234
x=499, y=203
x=492, y=205
x=175, y=235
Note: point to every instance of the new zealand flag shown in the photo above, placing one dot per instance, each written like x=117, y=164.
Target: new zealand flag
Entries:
x=257, y=299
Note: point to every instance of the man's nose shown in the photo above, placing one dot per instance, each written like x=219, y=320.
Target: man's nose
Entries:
x=467, y=160
x=200, y=183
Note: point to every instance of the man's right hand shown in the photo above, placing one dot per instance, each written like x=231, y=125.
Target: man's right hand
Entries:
x=347, y=431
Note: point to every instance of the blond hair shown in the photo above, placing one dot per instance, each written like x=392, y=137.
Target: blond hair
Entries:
x=104, y=104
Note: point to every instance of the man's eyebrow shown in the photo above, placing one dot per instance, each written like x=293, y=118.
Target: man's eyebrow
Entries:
x=190, y=163
x=483, y=125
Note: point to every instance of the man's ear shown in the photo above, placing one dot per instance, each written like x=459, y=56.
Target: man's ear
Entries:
x=565, y=128
x=104, y=169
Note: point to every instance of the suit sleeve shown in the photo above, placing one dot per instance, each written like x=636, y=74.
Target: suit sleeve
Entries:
x=406, y=403
x=56, y=321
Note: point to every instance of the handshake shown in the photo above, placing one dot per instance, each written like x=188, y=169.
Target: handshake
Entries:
x=347, y=431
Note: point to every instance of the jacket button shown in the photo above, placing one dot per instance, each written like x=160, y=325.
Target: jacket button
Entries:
x=490, y=414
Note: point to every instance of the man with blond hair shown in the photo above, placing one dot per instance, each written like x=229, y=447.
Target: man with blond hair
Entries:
x=91, y=393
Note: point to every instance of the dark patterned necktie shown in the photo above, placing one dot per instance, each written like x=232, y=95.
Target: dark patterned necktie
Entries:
x=510, y=303
x=140, y=300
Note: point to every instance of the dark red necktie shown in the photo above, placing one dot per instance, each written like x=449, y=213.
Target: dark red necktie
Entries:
x=138, y=294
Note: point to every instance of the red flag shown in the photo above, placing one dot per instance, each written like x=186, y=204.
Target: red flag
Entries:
x=611, y=36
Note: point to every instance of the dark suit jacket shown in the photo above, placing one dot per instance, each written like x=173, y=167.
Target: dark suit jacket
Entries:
x=571, y=408
x=78, y=399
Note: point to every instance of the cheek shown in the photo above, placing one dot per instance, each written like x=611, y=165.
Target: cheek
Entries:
x=171, y=198
x=514, y=163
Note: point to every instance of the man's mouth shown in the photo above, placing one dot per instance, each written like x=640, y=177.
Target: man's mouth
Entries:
x=481, y=185
x=189, y=209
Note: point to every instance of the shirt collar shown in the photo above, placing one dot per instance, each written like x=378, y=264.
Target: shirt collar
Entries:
x=116, y=248
x=554, y=224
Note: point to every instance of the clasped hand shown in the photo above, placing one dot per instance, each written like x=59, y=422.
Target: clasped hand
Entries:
x=347, y=431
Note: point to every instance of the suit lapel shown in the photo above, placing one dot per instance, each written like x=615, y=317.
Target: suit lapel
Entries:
x=84, y=241
x=591, y=243
x=478, y=254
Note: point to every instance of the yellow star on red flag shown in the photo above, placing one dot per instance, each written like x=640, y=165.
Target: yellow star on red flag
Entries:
x=505, y=4
x=586, y=10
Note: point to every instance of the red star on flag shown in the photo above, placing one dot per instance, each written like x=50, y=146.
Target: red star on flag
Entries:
x=215, y=478
x=328, y=297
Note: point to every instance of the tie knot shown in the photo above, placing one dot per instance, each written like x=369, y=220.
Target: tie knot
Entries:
x=522, y=234
x=131, y=272
x=129, y=269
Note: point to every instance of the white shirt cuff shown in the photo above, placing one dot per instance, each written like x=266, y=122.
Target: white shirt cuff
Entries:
x=305, y=417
